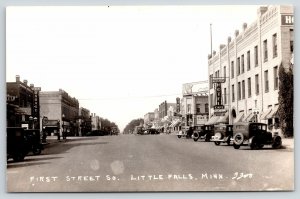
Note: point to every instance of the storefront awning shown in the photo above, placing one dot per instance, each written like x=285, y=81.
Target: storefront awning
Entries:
x=212, y=120
x=175, y=123
x=265, y=114
x=223, y=119
x=273, y=113
x=250, y=117
x=239, y=117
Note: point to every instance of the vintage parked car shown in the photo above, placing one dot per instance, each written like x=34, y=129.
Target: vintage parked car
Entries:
x=17, y=145
x=223, y=134
x=204, y=132
x=33, y=139
x=21, y=141
x=255, y=135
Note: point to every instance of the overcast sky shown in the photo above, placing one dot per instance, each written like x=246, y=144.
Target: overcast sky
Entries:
x=120, y=62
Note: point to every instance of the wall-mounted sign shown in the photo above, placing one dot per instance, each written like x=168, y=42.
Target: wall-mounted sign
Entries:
x=218, y=80
x=287, y=19
x=219, y=107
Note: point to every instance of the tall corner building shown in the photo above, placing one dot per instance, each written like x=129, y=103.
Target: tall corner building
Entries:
x=250, y=63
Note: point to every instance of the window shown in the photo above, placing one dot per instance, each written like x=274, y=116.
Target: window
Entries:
x=224, y=72
x=249, y=87
x=275, y=53
x=225, y=96
x=239, y=91
x=256, y=85
x=243, y=89
x=238, y=66
x=255, y=56
x=265, y=50
x=292, y=40
x=232, y=69
x=232, y=91
x=211, y=100
x=189, y=108
x=198, y=110
x=206, y=108
x=242, y=64
x=276, y=78
x=248, y=60
x=210, y=81
x=266, y=81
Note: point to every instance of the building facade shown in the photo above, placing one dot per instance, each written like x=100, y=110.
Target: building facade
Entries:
x=247, y=67
x=85, y=124
x=96, y=123
x=58, y=105
x=149, y=119
x=22, y=104
x=194, y=110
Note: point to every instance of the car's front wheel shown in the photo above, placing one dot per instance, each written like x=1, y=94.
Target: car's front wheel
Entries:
x=254, y=144
x=179, y=136
x=236, y=146
x=238, y=139
x=277, y=142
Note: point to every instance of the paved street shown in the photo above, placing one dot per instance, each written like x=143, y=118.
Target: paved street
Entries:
x=151, y=163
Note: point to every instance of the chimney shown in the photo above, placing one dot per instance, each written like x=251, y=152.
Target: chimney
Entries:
x=222, y=46
x=244, y=26
x=31, y=86
x=214, y=53
x=209, y=56
x=25, y=82
x=17, y=78
x=229, y=39
x=262, y=10
x=236, y=33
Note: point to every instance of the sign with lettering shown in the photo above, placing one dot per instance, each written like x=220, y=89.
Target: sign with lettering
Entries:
x=219, y=107
x=287, y=19
x=218, y=79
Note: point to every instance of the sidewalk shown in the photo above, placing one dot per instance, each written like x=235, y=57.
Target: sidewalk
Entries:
x=288, y=143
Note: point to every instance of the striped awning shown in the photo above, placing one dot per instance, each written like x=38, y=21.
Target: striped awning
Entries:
x=273, y=113
x=239, y=117
x=223, y=119
x=265, y=114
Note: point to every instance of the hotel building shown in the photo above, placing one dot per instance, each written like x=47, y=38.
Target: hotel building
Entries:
x=250, y=64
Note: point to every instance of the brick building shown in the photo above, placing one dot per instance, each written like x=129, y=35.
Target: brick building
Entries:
x=58, y=105
x=22, y=104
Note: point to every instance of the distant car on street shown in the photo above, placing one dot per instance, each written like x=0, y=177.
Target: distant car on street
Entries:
x=255, y=135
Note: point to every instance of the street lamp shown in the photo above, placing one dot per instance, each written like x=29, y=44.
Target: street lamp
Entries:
x=63, y=126
x=34, y=122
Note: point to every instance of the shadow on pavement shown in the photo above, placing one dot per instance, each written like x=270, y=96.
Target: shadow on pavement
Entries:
x=62, y=147
x=25, y=164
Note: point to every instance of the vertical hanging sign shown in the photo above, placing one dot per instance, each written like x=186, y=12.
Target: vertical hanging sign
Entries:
x=217, y=81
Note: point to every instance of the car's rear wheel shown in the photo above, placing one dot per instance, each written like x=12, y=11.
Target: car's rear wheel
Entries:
x=254, y=144
x=228, y=140
x=179, y=136
x=277, y=142
x=18, y=157
x=217, y=143
x=207, y=138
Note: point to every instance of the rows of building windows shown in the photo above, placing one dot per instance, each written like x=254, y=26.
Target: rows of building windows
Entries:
x=240, y=62
x=241, y=94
